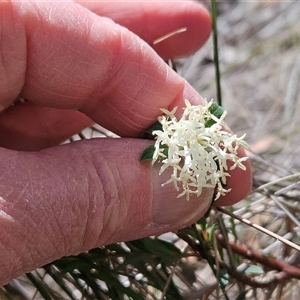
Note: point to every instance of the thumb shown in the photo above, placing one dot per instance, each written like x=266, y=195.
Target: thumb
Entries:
x=71, y=198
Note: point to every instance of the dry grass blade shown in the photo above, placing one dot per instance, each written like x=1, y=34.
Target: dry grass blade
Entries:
x=274, y=182
x=168, y=35
x=260, y=228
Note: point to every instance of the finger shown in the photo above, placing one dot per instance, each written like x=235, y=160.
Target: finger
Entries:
x=39, y=133
x=77, y=60
x=71, y=198
x=152, y=20
x=31, y=127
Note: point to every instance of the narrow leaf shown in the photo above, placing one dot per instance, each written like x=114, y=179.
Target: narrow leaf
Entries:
x=254, y=270
x=223, y=278
x=148, y=153
x=149, y=131
x=217, y=111
x=211, y=233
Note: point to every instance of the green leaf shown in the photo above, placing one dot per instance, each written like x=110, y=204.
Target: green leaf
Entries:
x=156, y=246
x=135, y=259
x=209, y=123
x=149, y=131
x=254, y=270
x=217, y=111
x=212, y=230
x=223, y=278
x=165, y=150
x=203, y=221
x=148, y=153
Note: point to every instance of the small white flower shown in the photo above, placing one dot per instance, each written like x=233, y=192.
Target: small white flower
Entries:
x=198, y=154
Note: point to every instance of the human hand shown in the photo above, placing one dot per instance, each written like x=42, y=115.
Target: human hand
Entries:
x=74, y=68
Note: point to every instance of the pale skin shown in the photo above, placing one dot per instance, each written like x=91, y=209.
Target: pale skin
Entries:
x=75, y=67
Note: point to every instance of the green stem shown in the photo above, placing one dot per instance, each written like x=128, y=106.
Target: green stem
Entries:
x=216, y=52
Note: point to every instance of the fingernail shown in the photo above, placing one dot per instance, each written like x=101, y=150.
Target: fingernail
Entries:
x=168, y=209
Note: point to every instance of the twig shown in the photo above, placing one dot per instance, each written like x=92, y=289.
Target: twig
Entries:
x=291, y=271
x=163, y=294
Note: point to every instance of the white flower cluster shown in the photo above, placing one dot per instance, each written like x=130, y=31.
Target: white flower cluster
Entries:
x=198, y=154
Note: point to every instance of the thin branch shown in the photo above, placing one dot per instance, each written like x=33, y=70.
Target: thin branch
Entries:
x=243, y=250
x=164, y=291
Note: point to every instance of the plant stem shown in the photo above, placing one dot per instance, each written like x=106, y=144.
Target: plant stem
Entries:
x=216, y=50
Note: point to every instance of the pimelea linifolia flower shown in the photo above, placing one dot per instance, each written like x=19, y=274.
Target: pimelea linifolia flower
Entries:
x=197, y=149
